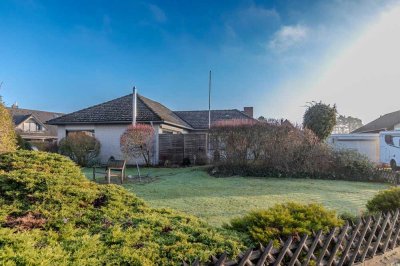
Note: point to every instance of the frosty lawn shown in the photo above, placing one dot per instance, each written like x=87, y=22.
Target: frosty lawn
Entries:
x=217, y=200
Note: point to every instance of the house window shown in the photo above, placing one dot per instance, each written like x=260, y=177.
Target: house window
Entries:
x=389, y=139
x=87, y=132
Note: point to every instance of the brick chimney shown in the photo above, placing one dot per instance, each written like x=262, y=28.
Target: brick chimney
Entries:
x=248, y=111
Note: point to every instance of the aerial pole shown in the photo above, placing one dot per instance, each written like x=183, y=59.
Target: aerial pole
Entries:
x=209, y=101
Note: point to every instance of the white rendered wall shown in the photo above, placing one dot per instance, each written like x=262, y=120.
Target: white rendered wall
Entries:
x=109, y=137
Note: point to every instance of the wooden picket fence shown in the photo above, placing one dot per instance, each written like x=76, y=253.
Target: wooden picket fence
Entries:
x=348, y=245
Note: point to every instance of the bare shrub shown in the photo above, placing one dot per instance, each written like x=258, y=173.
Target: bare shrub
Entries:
x=137, y=141
x=278, y=148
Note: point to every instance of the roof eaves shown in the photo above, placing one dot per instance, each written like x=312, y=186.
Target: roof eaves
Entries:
x=177, y=125
x=101, y=122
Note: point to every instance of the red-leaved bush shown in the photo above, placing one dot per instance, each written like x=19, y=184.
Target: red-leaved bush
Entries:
x=137, y=141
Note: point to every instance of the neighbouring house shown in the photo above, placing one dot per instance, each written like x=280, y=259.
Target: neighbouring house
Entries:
x=390, y=121
x=198, y=120
x=31, y=124
x=107, y=121
x=365, y=139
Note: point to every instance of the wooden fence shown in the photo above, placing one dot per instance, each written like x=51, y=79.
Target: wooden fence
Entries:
x=347, y=245
x=389, y=176
x=174, y=148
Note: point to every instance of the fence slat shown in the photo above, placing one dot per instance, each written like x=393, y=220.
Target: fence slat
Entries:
x=396, y=235
x=265, y=254
x=221, y=260
x=297, y=252
x=372, y=234
x=326, y=245
x=338, y=244
x=349, y=244
x=312, y=248
x=389, y=234
x=360, y=241
x=283, y=251
x=246, y=257
x=378, y=240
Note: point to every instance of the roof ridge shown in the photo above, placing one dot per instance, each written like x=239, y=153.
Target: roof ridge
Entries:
x=235, y=109
x=69, y=114
x=172, y=112
x=24, y=109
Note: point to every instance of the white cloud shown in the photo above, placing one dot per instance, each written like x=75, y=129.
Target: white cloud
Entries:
x=363, y=79
x=158, y=13
x=252, y=20
x=287, y=37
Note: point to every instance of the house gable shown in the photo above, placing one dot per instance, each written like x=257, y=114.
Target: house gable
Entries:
x=30, y=124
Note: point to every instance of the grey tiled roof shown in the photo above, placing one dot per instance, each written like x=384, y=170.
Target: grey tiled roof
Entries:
x=199, y=119
x=18, y=119
x=19, y=115
x=120, y=111
x=385, y=122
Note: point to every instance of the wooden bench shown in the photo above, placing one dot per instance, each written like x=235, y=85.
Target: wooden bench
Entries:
x=113, y=168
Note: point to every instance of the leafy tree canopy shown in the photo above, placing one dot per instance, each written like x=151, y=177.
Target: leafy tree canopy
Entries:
x=320, y=118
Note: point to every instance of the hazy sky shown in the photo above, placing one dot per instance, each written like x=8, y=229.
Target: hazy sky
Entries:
x=273, y=55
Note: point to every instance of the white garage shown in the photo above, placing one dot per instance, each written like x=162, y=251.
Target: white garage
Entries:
x=365, y=143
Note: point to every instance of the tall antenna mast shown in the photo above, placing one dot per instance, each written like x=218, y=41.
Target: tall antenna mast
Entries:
x=209, y=101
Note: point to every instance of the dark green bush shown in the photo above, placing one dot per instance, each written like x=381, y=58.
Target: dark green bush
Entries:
x=283, y=220
x=320, y=118
x=352, y=165
x=386, y=200
x=48, y=146
x=80, y=147
x=23, y=144
x=350, y=217
x=50, y=214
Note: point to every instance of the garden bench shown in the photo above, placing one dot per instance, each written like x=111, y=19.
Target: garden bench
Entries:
x=113, y=168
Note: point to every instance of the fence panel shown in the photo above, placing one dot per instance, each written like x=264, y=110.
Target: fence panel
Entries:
x=173, y=148
x=348, y=245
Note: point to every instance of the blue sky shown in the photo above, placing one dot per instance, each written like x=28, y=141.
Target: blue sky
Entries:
x=67, y=55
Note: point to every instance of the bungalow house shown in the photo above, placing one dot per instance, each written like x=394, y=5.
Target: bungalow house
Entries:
x=31, y=124
x=107, y=121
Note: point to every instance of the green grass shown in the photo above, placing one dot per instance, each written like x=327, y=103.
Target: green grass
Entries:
x=217, y=200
